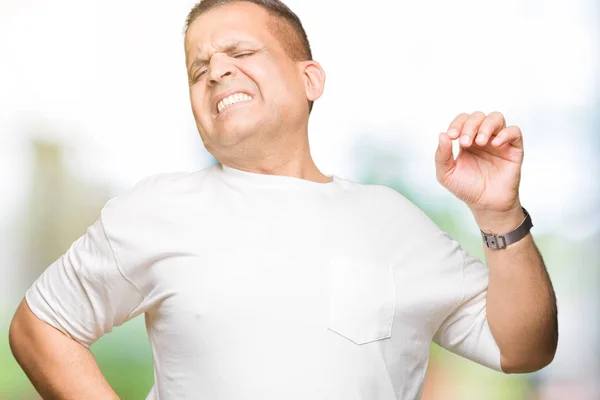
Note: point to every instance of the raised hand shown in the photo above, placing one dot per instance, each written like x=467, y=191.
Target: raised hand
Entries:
x=487, y=171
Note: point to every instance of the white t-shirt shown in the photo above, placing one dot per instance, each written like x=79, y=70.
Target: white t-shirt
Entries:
x=271, y=287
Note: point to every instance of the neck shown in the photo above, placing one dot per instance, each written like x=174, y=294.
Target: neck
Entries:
x=297, y=163
x=303, y=168
x=285, y=154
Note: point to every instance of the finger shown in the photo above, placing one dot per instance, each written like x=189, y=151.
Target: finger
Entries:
x=511, y=134
x=491, y=125
x=457, y=125
x=444, y=159
x=470, y=128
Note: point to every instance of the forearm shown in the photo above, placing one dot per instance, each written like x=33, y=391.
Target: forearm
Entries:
x=57, y=366
x=521, y=304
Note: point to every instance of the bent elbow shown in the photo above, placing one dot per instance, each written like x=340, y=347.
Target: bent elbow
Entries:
x=527, y=364
x=18, y=333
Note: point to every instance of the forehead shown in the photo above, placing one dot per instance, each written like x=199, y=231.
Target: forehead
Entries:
x=235, y=22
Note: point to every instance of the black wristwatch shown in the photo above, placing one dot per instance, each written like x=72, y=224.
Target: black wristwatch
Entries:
x=494, y=241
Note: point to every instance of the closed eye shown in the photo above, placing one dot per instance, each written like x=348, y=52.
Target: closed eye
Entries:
x=243, y=54
x=197, y=77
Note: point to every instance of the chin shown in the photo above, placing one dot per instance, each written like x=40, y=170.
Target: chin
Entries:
x=233, y=133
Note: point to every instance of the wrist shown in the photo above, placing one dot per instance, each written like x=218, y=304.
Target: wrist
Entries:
x=499, y=222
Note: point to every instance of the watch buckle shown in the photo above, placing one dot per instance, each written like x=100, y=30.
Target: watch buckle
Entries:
x=494, y=241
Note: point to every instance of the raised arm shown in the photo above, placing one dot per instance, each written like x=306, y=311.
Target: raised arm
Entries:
x=57, y=366
x=521, y=304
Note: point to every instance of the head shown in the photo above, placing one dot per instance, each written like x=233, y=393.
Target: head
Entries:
x=259, y=50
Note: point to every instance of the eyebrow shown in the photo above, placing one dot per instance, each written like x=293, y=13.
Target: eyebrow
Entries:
x=226, y=48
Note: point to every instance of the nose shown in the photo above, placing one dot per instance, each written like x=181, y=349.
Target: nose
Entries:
x=219, y=68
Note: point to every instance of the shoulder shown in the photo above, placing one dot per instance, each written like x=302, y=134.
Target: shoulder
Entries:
x=154, y=192
x=168, y=182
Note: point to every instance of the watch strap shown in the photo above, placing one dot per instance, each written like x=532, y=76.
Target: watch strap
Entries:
x=494, y=241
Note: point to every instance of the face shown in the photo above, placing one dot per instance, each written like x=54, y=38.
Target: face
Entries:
x=245, y=90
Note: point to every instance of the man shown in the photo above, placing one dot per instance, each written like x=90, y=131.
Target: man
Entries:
x=263, y=278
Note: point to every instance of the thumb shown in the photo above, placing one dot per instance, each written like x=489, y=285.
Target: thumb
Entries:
x=444, y=159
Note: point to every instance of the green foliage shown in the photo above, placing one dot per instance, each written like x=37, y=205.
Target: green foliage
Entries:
x=125, y=358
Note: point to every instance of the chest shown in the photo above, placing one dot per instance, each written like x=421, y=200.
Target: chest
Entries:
x=305, y=272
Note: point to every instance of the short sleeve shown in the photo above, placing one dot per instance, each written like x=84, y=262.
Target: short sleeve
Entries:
x=466, y=331
x=84, y=293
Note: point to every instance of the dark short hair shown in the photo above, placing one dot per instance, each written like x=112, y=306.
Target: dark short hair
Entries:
x=286, y=26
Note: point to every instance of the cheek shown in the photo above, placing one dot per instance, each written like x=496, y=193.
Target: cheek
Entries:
x=199, y=106
x=292, y=85
x=269, y=79
x=277, y=87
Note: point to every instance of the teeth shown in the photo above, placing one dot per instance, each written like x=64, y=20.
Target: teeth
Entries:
x=234, y=98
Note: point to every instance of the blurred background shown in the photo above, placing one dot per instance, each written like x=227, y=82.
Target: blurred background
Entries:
x=93, y=98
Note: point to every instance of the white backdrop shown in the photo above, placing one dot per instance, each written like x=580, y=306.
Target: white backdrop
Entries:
x=108, y=78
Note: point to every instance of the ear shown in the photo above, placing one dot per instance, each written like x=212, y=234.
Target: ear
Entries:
x=314, y=80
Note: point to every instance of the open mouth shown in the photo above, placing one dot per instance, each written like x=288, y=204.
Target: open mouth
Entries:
x=231, y=100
